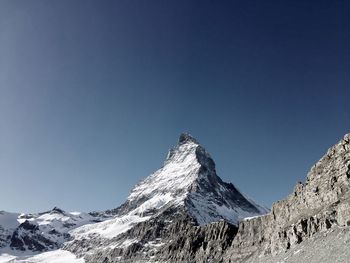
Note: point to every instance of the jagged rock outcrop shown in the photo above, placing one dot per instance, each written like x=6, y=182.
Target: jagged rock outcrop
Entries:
x=322, y=202
x=179, y=241
x=8, y=224
x=28, y=236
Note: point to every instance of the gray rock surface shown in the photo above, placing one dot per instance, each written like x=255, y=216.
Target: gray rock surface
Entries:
x=180, y=241
x=321, y=203
x=330, y=246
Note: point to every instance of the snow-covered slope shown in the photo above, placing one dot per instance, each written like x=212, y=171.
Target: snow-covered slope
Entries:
x=55, y=256
x=108, y=228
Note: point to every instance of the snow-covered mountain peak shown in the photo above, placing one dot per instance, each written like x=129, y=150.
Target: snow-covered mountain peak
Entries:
x=180, y=171
x=189, y=146
x=188, y=178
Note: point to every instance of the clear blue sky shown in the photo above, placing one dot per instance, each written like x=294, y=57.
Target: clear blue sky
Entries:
x=94, y=93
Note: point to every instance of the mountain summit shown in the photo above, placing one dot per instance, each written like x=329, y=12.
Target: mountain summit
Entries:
x=188, y=178
x=186, y=137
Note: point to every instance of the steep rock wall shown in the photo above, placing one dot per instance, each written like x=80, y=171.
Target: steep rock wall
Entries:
x=318, y=204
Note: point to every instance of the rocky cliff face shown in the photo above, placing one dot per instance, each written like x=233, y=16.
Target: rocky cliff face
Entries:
x=317, y=205
x=181, y=240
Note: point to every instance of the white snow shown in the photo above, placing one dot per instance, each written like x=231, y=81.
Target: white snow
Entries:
x=55, y=256
x=155, y=202
x=128, y=242
x=178, y=173
x=109, y=228
x=59, y=220
x=4, y=258
x=251, y=217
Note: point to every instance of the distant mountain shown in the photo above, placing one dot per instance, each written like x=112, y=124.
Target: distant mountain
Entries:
x=40, y=232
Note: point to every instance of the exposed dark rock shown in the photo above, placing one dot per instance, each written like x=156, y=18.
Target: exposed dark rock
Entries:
x=28, y=236
x=185, y=138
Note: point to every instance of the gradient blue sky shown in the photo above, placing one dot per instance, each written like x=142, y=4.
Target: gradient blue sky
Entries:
x=94, y=93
